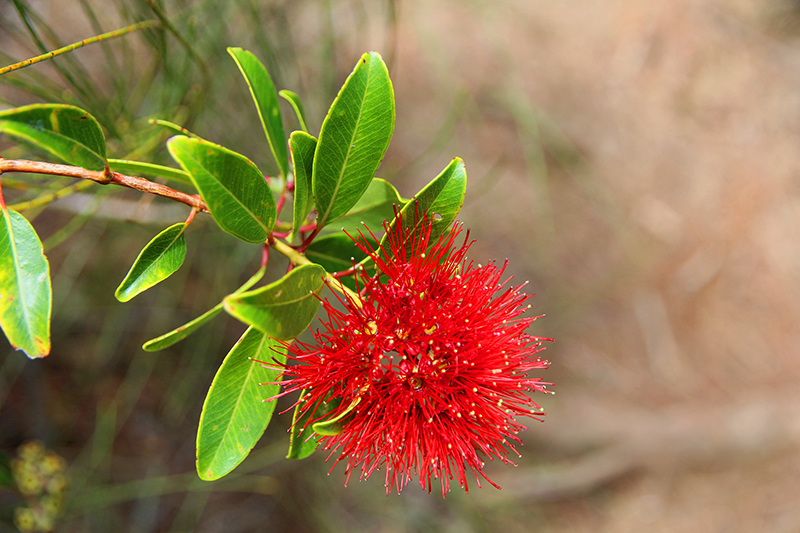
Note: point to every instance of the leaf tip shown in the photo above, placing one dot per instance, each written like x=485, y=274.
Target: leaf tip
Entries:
x=121, y=295
x=39, y=350
x=206, y=476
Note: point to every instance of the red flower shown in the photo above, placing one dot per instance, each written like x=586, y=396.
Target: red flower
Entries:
x=430, y=364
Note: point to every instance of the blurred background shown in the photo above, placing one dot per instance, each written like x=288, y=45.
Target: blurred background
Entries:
x=637, y=161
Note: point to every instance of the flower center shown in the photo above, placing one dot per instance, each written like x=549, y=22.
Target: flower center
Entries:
x=415, y=382
x=411, y=368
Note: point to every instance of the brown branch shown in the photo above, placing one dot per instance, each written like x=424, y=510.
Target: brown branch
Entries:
x=103, y=178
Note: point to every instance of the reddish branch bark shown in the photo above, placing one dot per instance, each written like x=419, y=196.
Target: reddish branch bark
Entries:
x=103, y=178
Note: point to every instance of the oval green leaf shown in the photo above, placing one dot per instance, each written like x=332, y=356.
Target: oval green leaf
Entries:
x=301, y=442
x=67, y=132
x=124, y=166
x=297, y=105
x=335, y=425
x=440, y=199
x=235, y=414
x=156, y=262
x=375, y=207
x=303, y=146
x=353, y=138
x=178, y=334
x=232, y=187
x=336, y=253
x=25, y=291
x=266, y=99
x=282, y=309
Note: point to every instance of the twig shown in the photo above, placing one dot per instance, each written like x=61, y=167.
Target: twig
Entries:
x=309, y=239
x=103, y=178
x=63, y=50
x=47, y=198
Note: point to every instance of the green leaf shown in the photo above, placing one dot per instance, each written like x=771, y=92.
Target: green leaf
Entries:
x=148, y=169
x=303, y=146
x=178, y=334
x=301, y=442
x=329, y=427
x=25, y=291
x=232, y=187
x=336, y=252
x=335, y=425
x=266, y=98
x=297, y=105
x=234, y=413
x=180, y=130
x=374, y=208
x=67, y=132
x=282, y=309
x=157, y=261
x=441, y=199
x=353, y=138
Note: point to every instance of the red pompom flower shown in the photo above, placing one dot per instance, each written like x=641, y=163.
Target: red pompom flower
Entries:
x=427, y=369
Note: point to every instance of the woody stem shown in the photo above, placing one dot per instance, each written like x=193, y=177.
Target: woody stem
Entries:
x=103, y=178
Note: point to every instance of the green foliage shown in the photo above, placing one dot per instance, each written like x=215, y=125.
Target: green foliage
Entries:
x=334, y=252
x=441, y=199
x=304, y=439
x=297, y=106
x=282, y=309
x=67, y=132
x=149, y=169
x=353, y=139
x=156, y=262
x=301, y=441
x=234, y=413
x=266, y=100
x=303, y=146
x=174, y=128
x=231, y=185
x=334, y=426
x=375, y=207
x=333, y=176
x=25, y=292
x=178, y=334
x=337, y=252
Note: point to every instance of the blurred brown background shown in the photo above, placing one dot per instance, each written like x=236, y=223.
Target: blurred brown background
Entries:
x=637, y=161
